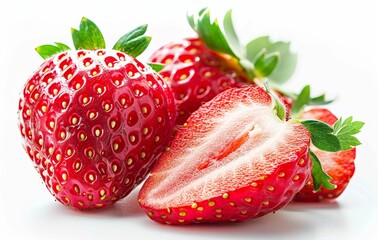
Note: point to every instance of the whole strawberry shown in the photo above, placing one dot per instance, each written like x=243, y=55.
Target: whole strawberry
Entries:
x=338, y=165
x=95, y=120
x=197, y=69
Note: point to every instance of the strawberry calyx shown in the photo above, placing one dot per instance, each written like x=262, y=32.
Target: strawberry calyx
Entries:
x=260, y=58
x=89, y=37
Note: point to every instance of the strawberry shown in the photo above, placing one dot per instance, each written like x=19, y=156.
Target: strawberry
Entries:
x=234, y=160
x=197, y=69
x=95, y=120
x=339, y=165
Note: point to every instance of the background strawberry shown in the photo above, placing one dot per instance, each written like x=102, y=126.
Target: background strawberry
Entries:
x=95, y=121
x=233, y=160
x=338, y=165
x=198, y=69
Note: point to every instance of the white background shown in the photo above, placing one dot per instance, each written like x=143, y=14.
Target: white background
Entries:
x=337, y=43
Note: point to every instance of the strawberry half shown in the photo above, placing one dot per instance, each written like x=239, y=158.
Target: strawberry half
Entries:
x=95, y=121
x=197, y=69
x=338, y=165
x=233, y=160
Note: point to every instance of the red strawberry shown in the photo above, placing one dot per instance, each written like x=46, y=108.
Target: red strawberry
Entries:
x=198, y=69
x=94, y=121
x=196, y=74
x=233, y=160
x=338, y=165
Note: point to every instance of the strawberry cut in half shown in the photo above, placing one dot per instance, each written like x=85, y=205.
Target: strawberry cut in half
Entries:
x=338, y=165
x=234, y=160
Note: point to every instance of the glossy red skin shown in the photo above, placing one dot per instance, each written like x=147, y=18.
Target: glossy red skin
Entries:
x=339, y=165
x=196, y=74
x=264, y=195
x=83, y=115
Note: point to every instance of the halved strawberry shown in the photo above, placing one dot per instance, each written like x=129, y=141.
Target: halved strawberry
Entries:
x=338, y=165
x=233, y=160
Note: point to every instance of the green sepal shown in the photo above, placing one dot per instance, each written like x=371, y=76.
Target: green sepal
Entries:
x=133, y=43
x=88, y=36
x=157, y=67
x=265, y=63
x=279, y=107
x=288, y=60
x=322, y=135
x=301, y=101
x=344, y=130
x=48, y=50
x=210, y=32
x=319, y=177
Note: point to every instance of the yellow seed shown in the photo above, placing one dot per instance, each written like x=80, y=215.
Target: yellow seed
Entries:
x=301, y=161
x=58, y=187
x=58, y=157
x=127, y=180
x=207, y=74
x=49, y=80
x=40, y=141
x=102, y=192
x=270, y=188
x=281, y=174
x=232, y=204
x=168, y=210
x=123, y=101
x=181, y=220
x=144, y=110
x=168, y=60
x=44, y=108
x=91, y=177
x=157, y=101
x=159, y=119
x=82, y=136
x=97, y=132
x=77, y=86
x=90, y=196
x=112, y=124
x=65, y=66
x=225, y=195
x=330, y=195
x=69, y=76
x=80, y=203
x=200, y=208
x=31, y=87
x=248, y=199
x=167, y=149
x=94, y=73
x=114, y=168
x=129, y=161
x=52, y=125
x=194, y=205
x=64, y=104
x=157, y=138
x=85, y=100
x=64, y=176
x=107, y=107
x=182, y=214
x=145, y=131
x=76, y=188
x=296, y=177
x=92, y=115
x=132, y=138
x=69, y=152
x=55, y=92
x=28, y=112
x=142, y=155
x=163, y=217
x=211, y=203
x=99, y=204
x=74, y=120
x=266, y=203
x=244, y=212
x=219, y=216
x=150, y=213
x=188, y=60
x=199, y=218
x=99, y=90
x=68, y=200
x=36, y=96
x=183, y=77
x=218, y=210
x=254, y=184
x=77, y=165
x=130, y=73
x=90, y=153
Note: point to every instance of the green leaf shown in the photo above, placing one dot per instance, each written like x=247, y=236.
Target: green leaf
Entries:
x=266, y=63
x=322, y=135
x=157, y=67
x=210, y=32
x=231, y=36
x=319, y=177
x=287, y=61
x=302, y=100
x=345, y=131
x=48, y=50
x=133, y=43
x=319, y=100
x=88, y=36
x=279, y=107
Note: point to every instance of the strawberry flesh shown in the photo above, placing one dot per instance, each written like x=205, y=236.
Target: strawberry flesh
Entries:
x=233, y=160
